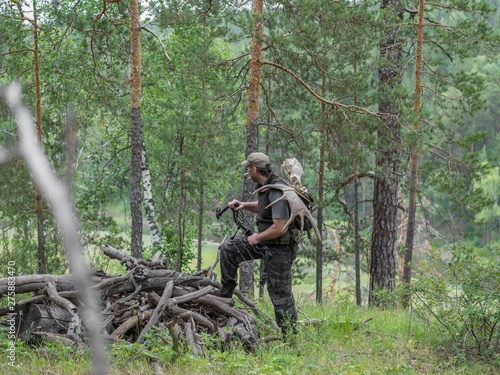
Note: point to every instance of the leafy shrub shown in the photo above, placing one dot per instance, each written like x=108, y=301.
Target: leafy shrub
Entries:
x=461, y=294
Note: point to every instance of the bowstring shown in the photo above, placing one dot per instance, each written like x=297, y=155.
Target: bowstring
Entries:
x=245, y=225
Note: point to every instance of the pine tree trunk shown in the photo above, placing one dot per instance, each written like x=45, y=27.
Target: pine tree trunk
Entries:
x=321, y=183
x=200, y=223
x=180, y=234
x=262, y=271
x=204, y=147
x=246, y=268
x=336, y=268
x=402, y=235
x=386, y=182
x=319, y=219
x=364, y=210
x=356, y=241
x=42, y=263
x=136, y=132
x=254, y=80
x=410, y=234
x=357, y=260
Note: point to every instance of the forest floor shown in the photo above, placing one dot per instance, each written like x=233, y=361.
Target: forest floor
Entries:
x=393, y=342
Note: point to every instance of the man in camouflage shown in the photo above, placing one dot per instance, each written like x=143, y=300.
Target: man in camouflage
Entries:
x=280, y=250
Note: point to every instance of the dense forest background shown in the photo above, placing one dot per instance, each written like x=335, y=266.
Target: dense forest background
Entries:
x=322, y=101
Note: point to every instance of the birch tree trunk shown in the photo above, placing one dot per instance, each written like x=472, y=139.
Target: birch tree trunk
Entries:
x=149, y=206
x=410, y=233
x=136, y=131
x=246, y=268
x=386, y=182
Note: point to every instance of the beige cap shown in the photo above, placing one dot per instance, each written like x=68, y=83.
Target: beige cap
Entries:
x=257, y=159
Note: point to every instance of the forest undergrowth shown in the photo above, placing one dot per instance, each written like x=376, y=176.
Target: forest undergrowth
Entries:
x=394, y=341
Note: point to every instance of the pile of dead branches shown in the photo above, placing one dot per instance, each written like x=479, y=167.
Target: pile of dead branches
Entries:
x=148, y=295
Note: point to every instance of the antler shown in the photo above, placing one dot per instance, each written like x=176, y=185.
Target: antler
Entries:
x=297, y=207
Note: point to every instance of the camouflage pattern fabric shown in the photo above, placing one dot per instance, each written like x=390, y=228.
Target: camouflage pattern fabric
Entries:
x=278, y=259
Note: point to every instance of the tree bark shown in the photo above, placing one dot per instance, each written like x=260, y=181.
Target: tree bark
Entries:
x=180, y=234
x=252, y=124
x=356, y=241
x=410, y=234
x=204, y=147
x=254, y=80
x=136, y=131
x=149, y=205
x=319, y=219
x=386, y=182
x=42, y=263
x=357, y=261
x=200, y=223
x=262, y=268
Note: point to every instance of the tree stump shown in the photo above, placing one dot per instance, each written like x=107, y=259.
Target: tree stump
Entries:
x=45, y=317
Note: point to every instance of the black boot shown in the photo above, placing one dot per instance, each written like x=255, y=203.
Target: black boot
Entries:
x=226, y=291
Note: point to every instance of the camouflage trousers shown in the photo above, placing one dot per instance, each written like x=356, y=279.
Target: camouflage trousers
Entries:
x=278, y=261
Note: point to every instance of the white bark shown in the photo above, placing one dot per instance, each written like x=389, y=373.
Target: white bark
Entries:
x=149, y=206
x=154, y=230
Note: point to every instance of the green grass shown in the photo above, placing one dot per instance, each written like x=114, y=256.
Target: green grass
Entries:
x=393, y=342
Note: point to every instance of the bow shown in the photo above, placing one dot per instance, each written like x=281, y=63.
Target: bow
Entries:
x=238, y=220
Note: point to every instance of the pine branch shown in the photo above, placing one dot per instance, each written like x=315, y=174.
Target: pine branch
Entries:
x=351, y=108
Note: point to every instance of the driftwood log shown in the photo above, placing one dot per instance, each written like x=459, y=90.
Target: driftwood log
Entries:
x=148, y=295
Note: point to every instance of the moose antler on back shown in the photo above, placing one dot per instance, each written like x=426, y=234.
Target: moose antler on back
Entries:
x=297, y=207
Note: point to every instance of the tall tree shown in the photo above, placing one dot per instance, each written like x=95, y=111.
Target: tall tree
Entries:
x=386, y=182
x=252, y=144
x=38, y=99
x=357, y=261
x=319, y=219
x=135, y=130
x=412, y=205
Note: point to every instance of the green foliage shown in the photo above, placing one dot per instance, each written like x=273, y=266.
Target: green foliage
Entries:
x=490, y=185
x=459, y=293
x=171, y=241
x=392, y=342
